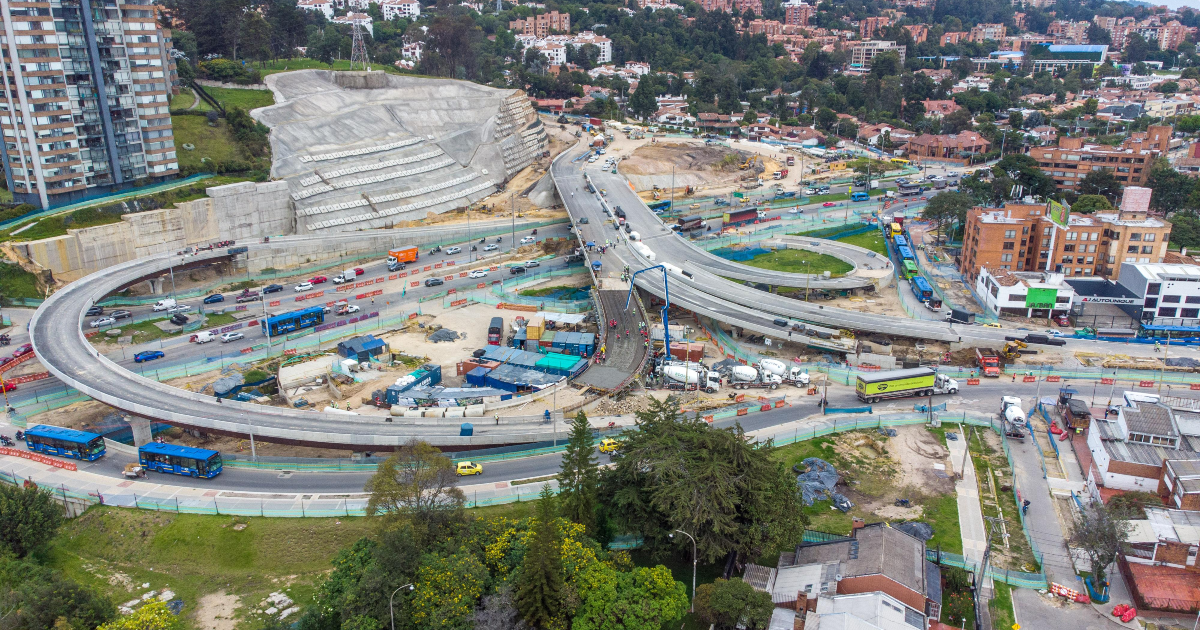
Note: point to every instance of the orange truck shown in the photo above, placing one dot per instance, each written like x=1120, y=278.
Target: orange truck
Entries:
x=988, y=361
x=404, y=255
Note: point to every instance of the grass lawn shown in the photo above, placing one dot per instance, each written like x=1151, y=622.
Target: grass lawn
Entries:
x=546, y=290
x=794, y=261
x=57, y=226
x=830, y=197
x=213, y=143
x=941, y=512
x=5, y=195
x=245, y=99
x=873, y=241
x=1001, y=607
x=195, y=555
x=15, y=282
x=184, y=99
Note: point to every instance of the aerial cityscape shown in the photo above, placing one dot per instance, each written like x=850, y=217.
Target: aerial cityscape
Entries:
x=645, y=315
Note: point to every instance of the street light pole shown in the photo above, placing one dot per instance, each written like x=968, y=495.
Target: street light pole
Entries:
x=693, y=606
x=392, y=612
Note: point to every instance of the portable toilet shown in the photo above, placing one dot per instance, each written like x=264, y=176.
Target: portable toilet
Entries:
x=466, y=430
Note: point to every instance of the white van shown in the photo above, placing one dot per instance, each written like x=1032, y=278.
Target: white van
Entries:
x=163, y=305
x=205, y=337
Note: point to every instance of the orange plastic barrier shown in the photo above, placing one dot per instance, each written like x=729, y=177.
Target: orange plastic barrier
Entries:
x=39, y=458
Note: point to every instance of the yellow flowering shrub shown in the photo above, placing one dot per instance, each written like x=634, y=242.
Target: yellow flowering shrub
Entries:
x=153, y=616
x=447, y=589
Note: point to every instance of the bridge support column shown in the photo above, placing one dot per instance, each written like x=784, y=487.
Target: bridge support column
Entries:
x=141, y=430
x=155, y=285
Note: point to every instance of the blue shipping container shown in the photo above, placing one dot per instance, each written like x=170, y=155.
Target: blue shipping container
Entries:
x=478, y=376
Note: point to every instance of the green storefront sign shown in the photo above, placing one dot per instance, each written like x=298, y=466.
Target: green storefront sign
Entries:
x=1041, y=298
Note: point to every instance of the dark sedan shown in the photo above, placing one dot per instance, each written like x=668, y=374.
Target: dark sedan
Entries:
x=148, y=355
x=272, y=288
x=214, y=298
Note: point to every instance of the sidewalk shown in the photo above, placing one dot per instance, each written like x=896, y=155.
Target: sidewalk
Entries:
x=970, y=510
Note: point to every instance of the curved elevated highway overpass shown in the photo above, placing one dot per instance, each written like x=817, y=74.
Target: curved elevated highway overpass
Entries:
x=58, y=339
x=707, y=291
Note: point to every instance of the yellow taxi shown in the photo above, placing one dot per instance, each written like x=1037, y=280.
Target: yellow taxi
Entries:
x=468, y=468
x=609, y=445
x=992, y=325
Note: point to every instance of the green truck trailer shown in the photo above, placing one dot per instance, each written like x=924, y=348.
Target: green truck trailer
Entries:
x=874, y=387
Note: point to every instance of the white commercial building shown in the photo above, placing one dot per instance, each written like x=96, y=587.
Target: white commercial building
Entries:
x=1024, y=293
x=1169, y=294
x=324, y=6
x=362, y=19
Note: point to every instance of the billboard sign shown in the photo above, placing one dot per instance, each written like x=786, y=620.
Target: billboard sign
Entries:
x=1041, y=298
x=1059, y=213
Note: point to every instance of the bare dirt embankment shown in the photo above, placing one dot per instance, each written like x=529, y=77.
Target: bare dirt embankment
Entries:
x=708, y=166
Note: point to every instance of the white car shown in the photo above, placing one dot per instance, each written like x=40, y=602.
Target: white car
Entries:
x=810, y=191
x=231, y=336
x=477, y=273
x=532, y=263
x=339, y=279
x=527, y=239
x=346, y=309
x=491, y=247
x=103, y=321
x=179, y=308
x=303, y=286
x=453, y=250
x=592, y=160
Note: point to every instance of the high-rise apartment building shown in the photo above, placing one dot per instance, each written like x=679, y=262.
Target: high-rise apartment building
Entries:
x=84, y=108
x=1073, y=158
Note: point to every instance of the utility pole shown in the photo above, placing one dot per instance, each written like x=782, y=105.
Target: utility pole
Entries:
x=1164, y=367
x=981, y=577
x=512, y=202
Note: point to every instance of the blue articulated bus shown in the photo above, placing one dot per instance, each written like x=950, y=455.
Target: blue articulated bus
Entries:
x=65, y=442
x=900, y=241
x=905, y=253
x=921, y=289
x=293, y=321
x=180, y=460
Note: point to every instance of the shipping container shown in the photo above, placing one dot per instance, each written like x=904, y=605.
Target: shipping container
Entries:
x=518, y=339
x=739, y=217
x=689, y=351
x=478, y=376
x=535, y=327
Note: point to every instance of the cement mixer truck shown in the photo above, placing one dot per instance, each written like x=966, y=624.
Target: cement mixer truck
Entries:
x=1013, y=417
x=745, y=377
x=689, y=378
x=789, y=373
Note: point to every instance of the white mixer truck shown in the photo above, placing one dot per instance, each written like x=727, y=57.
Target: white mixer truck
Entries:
x=789, y=373
x=1013, y=417
x=746, y=377
x=690, y=377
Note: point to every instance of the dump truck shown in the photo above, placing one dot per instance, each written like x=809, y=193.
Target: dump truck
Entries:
x=746, y=377
x=988, y=362
x=921, y=381
x=791, y=160
x=689, y=378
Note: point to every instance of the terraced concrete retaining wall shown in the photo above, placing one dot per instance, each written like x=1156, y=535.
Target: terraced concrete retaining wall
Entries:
x=242, y=211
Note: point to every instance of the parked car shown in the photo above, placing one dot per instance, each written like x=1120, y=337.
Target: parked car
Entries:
x=103, y=321
x=318, y=280
x=433, y=282
x=1062, y=320
x=120, y=314
x=148, y=355
x=272, y=288
x=95, y=310
x=214, y=298
x=477, y=273
x=23, y=350
x=347, y=309
x=303, y=286
x=491, y=247
x=453, y=250
x=231, y=336
x=179, y=319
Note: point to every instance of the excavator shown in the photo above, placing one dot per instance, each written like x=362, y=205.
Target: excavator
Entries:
x=1014, y=349
x=750, y=162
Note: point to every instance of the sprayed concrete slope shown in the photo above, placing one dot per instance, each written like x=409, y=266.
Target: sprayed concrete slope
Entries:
x=370, y=150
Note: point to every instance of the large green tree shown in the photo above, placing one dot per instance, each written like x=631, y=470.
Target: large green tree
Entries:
x=1091, y=203
x=642, y=599
x=539, y=595
x=677, y=472
x=33, y=597
x=948, y=208
x=417, y=483
x=578, y=479
x=29, y=518
x=1171, y=188
x=642, y=102
x=1101, y=182
x=730, y=604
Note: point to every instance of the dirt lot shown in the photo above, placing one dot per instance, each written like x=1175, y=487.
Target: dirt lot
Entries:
x=695, y=165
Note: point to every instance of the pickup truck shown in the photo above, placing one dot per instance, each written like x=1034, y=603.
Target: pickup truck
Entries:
x=248, y=296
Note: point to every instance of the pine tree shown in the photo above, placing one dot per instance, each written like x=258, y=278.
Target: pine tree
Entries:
x=540, y=585
x=578, y=479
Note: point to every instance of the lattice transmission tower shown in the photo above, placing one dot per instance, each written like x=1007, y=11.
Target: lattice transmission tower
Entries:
x=358, y=47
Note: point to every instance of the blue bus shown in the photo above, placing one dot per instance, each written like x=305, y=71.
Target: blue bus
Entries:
x=64, y=442
x=905, y=253
x=900, y=241
x=293, y=321
x=921, y=289
x=659, y=206
x=180, y=460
